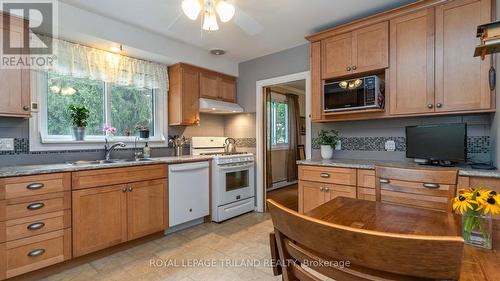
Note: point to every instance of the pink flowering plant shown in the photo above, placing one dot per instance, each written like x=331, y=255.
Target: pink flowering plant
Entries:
x=109, y=130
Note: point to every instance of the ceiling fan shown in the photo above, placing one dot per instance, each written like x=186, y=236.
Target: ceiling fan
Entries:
x=212, y=10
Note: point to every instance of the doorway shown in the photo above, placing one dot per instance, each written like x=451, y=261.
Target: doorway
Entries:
x=283, y=137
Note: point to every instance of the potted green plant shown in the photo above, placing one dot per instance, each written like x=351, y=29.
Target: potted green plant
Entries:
x=79, y=118
x=327, y=139
x=143, y=128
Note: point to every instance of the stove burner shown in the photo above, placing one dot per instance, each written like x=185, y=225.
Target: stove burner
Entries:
x=222, y=153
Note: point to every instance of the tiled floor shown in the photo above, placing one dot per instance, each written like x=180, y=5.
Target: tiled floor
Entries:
x=238, y=249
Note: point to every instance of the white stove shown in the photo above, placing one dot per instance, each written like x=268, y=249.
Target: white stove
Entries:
x=233, y=178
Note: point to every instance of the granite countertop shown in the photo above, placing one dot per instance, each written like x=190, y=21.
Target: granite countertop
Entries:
x=26, y=170
x=370, y=165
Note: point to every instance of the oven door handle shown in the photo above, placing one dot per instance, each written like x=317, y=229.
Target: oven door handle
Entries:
x=229, y=167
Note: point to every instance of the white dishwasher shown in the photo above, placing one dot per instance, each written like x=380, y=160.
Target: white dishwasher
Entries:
x=188, y=192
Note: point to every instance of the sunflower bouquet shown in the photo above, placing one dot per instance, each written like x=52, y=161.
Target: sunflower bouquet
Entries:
x=477, y=206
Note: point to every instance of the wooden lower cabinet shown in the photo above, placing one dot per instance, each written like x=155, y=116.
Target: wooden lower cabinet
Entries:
x=110, y=215
x=146, y=205
x=313, y=194
x=99, y=218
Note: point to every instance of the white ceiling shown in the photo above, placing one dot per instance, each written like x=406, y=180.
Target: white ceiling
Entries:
x=283, y=23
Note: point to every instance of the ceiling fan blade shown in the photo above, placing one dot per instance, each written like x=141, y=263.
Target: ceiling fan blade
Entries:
x=176, y=19
x=247, y=23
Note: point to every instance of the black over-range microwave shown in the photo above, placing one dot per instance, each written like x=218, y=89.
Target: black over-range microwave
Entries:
x=354, y=94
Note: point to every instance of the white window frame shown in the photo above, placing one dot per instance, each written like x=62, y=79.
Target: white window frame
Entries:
x=280, y=146
x=41, y=141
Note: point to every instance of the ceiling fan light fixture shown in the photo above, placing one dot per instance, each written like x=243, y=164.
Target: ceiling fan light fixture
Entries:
x=225, y=11
x=210, y=22
x=191, y=8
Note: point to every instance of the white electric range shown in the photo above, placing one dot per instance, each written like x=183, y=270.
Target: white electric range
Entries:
x=233, y=178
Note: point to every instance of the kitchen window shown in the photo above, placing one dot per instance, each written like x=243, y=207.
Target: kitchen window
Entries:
x=122, y=107
x=279, y=130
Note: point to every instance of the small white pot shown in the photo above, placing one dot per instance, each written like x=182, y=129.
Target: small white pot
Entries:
x=326, y=152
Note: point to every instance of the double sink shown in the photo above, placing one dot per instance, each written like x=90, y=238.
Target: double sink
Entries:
x=110, y=161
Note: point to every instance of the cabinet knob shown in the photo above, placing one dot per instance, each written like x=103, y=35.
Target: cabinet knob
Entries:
x=124, y=189
x=26, y=108
x=321, y=188
x=130, y=189
x=438, y=105
x=326, y=189
x=348, y=68
x=430, y=105
x=354, y=67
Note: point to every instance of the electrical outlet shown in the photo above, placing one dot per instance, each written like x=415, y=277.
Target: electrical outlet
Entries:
x=390, y=145
x=338, y=146
x=6, y=144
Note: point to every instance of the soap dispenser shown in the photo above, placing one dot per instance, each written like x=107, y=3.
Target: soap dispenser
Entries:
x=146, y=151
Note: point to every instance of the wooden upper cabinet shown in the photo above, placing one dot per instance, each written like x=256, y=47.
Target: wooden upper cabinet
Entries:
x=370, y=48
x=363, y=50
x=411, y=83
x=316, y=85
x=336, y=55
x=461, y=79
x=184, y=94
x=147, y=204
x=15, y=89
x=227, y=89
x=209, y=85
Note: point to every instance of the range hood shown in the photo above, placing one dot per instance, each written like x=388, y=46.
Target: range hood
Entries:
x=219, y=107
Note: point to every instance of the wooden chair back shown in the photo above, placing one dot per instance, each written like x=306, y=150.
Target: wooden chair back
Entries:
x=326, y=248
x=416, y=187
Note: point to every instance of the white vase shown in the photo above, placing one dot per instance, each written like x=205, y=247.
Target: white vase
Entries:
x=326, y=152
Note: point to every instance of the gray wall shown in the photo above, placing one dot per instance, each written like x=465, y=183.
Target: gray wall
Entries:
x=286, y=62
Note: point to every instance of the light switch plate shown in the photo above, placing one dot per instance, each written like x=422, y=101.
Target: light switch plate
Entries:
x=390, y=145
x=6, y=144
x=338, y=146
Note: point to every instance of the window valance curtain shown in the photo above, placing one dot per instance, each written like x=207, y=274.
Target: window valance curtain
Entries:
x=86, y=62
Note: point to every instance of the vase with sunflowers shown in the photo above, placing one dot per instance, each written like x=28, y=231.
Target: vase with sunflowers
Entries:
x=477, y=206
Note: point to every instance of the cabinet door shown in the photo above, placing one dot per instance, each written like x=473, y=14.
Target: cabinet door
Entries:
x=311, y=195
x=316, y=84
x=147, y=205
x=15, y=89
x=411, y=79
x=336, y=56
x=370, y=47
x=336, y=190
x=99, y=218
x=461, y=79
x=209, y=85
x=190, y=96
x=227, y=89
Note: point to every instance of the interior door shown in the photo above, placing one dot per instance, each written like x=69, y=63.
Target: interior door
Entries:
x=147, y=205
x=99, y=218
x=411, y=83
x=370, y=47
x=461, y=79
x=336, y=55
x=311, y=197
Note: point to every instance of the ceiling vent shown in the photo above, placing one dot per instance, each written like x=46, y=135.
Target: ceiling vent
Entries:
x=217, y=52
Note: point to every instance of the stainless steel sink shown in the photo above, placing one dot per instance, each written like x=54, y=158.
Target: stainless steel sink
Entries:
x=111, y=161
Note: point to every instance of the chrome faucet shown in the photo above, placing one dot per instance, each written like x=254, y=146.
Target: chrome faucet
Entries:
x=108, y=148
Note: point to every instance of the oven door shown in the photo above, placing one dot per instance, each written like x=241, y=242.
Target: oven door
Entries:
x=236, y=182
x=338, y=98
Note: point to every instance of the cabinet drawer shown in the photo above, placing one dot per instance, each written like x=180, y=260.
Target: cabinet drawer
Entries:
x=115, y=176
x=366, y=193
x=328, y=175
x=35, y=185
x=366, y=178
x=36, y=252
x=35, y=225
x=36, y=205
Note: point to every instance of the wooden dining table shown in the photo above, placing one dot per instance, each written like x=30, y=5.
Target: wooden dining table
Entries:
x=477, y=264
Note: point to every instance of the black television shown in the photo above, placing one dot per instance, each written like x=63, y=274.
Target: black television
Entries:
x=438, y=144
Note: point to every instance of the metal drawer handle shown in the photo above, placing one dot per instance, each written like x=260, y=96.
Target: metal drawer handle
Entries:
x=324, y=175
x=36, y=253
x=384, y=181
x=431, y=185
x=35, y=185
x=36, y=226
x=35, y=206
